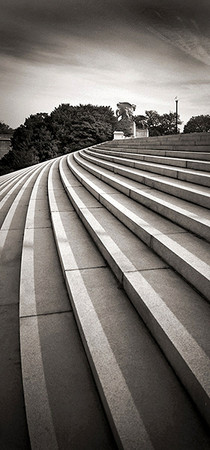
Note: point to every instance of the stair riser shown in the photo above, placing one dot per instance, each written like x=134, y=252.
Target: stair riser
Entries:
x=198, y=166
x=186, y=221
x=190, y=196
x=176, y=162
x=185, y=194
x=146, y=234
x=169, y=347
x=195, y=138
x=147, y=148
x=155, y=146
x=171, y=154
x=192, y=384
x=197, y=279
x=189, y=273
x=203, y=180
x=189, y=155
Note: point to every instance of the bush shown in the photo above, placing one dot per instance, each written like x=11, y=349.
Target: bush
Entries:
x=198, y=124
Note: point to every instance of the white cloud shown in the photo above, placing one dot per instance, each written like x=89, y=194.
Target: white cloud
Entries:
x=146, y=59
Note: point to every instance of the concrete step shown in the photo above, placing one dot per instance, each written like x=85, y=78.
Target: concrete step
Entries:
x=177, y=162
x=11, y=175
x=197, y=141
x=193, y=176
x=14, y=433
x=158, y=146
x=6, y=179
x=139, y=320
x=10, y=195
x=191, y=217
x=204, y=155
x=177, y=138
x=188, y=191
x=140, y=272
x=13, y=183
x=10, y=178
x=172, y=243
x=60, y=394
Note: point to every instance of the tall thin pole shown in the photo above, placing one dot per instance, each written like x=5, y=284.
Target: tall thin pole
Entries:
x=176, y=100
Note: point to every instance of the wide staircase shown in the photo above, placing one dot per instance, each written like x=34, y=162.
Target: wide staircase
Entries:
x=105, y=269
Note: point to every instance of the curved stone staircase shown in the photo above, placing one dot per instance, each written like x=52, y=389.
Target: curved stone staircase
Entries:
x=105, y=298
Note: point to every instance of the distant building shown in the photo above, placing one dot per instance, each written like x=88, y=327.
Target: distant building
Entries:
x=5, y=144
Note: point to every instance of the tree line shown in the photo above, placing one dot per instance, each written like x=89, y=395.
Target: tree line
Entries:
x=45, y=136
x=68, y=128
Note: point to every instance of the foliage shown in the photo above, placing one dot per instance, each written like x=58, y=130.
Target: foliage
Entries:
x=5, y=129
x=76, y=127
x=159, y=125
x=140, y=121
x=31, y=143
x=125, y=125
x=198, y=124
x=66, y=129
x=7, y=163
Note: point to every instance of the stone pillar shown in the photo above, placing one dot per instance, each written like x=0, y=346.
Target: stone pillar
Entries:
x=119, y=135
x=134, y=129
x=142, y=133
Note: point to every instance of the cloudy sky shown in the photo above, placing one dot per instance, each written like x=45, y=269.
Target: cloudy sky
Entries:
x=145, y=52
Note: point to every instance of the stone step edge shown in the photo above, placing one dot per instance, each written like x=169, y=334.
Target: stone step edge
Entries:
x=201, y=147
x=163, y=184
x=13, y=176
x=18, y=173
x=38, y=412
x=128, y=429
x=178, y=215
x=195, y=271
x=137, y=164
x=178, y=173
x=165, y=160
x=10, y=213
x=189, y=361
x=13, y=185
x=203, y=156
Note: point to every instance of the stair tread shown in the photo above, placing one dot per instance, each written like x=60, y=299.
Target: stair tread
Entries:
x=196, y=209
x=163, y=226
x=173, y=160
x=145, y=195
x=54, y=365
x=139, y=164
x=96, y=230
x=183, y=260
x=144, y=259
x=128, y=248
x=14, y=431
x=156, y=177
x=203, y=155
x=198, y=164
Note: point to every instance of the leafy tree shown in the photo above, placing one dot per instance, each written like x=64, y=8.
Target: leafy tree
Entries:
x=66, y=129
x=5, y=129
x=125, y=125
x=168, y=123
x=198, y=124
x=159, y=125
x=33, y=141
x=140, y=121
x=152, y=122
x=7, y=163
x=75, y=127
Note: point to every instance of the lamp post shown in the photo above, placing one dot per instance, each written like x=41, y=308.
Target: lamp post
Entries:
x=176, y=100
